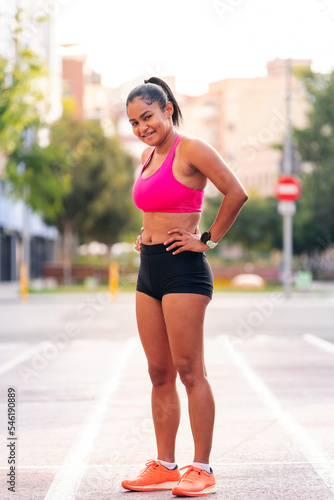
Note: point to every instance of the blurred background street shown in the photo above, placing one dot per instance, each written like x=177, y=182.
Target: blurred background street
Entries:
x=255, y=80
x=83, y=396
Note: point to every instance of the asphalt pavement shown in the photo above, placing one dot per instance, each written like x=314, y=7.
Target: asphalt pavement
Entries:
x=75, y=394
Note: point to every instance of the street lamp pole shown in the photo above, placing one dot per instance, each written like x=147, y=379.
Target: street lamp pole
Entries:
x=287, y=169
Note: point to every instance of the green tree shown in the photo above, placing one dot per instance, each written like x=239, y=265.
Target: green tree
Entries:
x=257, y=228
x=99, y=203
x=20, y=93
x=81, y=183
x=314, y=222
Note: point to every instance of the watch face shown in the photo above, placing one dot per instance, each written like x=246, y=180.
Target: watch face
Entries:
x=205, y=237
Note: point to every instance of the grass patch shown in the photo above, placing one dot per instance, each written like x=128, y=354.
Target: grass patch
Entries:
x=131, y=287
x=231, y=289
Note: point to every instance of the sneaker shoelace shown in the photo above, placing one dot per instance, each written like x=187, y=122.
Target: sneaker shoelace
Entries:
x=191, y=474
x=149, y=466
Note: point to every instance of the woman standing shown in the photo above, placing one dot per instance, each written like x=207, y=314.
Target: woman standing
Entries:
x=175, y=281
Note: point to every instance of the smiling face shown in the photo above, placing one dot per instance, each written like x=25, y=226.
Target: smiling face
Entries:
x=150, y=123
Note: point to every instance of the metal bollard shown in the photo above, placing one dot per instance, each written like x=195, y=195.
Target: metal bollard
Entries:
x=113, y=280
x=24, y=281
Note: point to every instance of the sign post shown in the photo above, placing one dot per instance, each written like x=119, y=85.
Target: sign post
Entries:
x=24, y=281
x=113, y=280
x=288, y=191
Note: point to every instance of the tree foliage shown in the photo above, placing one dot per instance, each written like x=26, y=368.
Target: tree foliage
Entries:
x=21, y=93
x=258, y=225
x=81, y=177
x=314, y=222
x=82, y=180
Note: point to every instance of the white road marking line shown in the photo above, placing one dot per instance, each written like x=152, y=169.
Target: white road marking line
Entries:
x=214, y=464
x=316, y=456
x=317, y=341
x=32, y=351
x=23, y=356
x=296, y=462
x=67, y=481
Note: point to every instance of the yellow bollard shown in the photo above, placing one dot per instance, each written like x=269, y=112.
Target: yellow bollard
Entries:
x=113, y=280
x=24, y=281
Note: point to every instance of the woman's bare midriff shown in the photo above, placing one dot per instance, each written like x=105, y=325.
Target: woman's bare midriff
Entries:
x=157, y=224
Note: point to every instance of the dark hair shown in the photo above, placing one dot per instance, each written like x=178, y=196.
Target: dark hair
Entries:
x=156, y=90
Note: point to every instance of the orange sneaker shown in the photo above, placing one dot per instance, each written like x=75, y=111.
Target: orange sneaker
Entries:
x=195, y=482
x=154, y=477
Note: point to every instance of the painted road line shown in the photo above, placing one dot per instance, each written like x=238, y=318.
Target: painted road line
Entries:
x=47, y=346
x=136, y=466
x=317, y=457
x=23, y=356
x=317, y=341
x=68, y=479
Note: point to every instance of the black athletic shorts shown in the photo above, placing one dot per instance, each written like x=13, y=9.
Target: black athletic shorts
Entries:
x=161, y=272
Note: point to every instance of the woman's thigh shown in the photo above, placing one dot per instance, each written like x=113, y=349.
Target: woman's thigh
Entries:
x=184, y=315
x=153, y=335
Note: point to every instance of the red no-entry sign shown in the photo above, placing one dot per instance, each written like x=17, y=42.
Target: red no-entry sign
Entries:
x=288, y=188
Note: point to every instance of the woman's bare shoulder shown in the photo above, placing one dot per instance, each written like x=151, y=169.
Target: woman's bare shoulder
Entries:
x=146, y=153
x=192, y=144
x=195, y=150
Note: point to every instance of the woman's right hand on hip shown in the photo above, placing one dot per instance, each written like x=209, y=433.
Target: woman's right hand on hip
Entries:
x=139, y=241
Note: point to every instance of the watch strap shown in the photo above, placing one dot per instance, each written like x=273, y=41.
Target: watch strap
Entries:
x=211, y=244
x=206, y=238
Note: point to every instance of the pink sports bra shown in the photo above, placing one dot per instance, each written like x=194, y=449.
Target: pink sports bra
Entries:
x=161, y=192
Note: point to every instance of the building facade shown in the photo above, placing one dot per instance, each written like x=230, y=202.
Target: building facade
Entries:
x=83, y=85
x=252, y=123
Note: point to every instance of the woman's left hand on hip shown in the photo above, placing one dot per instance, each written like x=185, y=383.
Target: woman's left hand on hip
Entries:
x=183, y=240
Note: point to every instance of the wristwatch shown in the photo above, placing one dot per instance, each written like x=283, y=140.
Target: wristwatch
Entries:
x=206, y=238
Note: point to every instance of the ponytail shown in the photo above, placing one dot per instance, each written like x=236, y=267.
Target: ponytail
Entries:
x=156, y=90
x=177, y=115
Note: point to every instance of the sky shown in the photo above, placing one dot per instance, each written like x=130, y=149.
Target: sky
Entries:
x=197, y=41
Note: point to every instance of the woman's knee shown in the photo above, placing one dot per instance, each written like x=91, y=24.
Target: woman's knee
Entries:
x=161, y=376
x=189, y=372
